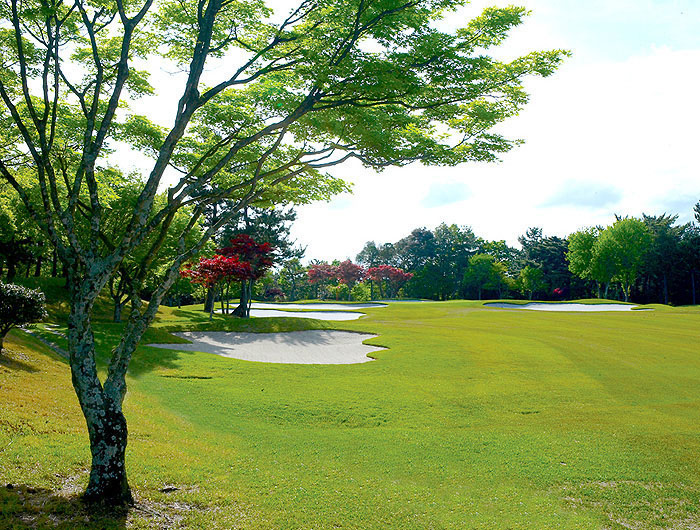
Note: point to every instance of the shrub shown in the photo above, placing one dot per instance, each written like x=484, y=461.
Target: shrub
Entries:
x=18, y=306
x=361, y=292
x=273, y=293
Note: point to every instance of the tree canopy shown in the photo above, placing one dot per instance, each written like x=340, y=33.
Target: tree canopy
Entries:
x=329, y=81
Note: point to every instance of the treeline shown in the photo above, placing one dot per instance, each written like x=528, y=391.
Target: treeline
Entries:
x=651, y=259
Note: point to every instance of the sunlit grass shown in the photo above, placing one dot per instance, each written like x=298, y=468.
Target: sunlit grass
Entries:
x=473, y=418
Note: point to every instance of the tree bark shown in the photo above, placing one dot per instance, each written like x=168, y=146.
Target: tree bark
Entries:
x=209, y=301
x=54, y=263
x=105, y=421
x=243, y=310
x=117, y=310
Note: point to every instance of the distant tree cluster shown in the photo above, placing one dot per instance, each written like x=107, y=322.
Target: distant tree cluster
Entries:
x=648, y=259
x=350, y=280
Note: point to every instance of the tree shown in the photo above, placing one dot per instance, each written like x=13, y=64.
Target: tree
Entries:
x=151, y=258
x=305, y=94
x=19, y=306
x=626, y=241
x=292, y=278
x=20, y=241
x=414, y=250
x=531, y=280
x=547, y=253
x=389, y=279
x=502, y=253
x=272, y=225
x=689, y=250
x=215, y=271
x=663, y=253
x=482, y=273
x=349, y=273
x=454, y=245
x=320, y=275
x=369, y=255
x=581, y=254
x=258, y=257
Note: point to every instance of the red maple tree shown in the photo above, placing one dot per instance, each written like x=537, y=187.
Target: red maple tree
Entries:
x=259, y=258
x=217, y=271
x=388, y=279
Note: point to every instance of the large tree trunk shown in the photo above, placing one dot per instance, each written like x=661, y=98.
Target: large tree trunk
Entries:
x=102, y=410
x=243, y=309
x=209, y=301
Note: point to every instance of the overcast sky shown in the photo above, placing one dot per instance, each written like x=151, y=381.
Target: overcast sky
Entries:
x=615, y=130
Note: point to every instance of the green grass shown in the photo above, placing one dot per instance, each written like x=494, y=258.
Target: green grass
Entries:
x=473, y=418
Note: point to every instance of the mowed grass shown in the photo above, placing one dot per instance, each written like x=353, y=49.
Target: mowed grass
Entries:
x=473, y=418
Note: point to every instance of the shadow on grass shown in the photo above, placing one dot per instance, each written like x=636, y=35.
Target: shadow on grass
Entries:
x=24, y=507
x=8, y=360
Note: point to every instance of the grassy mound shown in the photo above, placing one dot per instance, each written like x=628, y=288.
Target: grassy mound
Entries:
x=474, y=418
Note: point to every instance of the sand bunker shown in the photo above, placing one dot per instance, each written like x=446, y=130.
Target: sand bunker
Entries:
x=295, y=347
x=319, y=315
x=566, y=307
x=316, y=305
x=325, y=311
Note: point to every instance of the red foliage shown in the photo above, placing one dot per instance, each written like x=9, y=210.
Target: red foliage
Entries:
x=388, y=273
x=210, y=271
x=258, y=256
x=393, y=276
x=321, y=272
x=349, y=273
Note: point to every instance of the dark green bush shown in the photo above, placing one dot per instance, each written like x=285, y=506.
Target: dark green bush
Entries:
x=19, y=305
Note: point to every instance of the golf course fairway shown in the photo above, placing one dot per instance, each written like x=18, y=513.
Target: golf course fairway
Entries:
x=472, y=418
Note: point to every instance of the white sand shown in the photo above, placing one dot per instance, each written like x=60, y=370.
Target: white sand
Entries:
x=319, y=315
x=295, y=347
x=565, y=307
x=321, y=306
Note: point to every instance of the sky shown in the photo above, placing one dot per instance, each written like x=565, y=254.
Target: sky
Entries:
x=613, y=131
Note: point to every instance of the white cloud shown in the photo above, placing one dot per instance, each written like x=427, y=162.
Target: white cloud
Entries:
x=627, y=125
